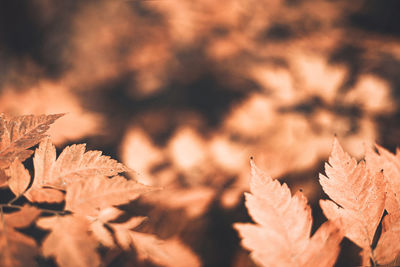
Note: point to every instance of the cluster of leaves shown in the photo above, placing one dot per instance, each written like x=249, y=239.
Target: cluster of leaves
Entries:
x=364, y=195
x=89, y=185
x=360, y=194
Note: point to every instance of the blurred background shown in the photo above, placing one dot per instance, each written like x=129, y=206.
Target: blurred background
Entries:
x=185, y=91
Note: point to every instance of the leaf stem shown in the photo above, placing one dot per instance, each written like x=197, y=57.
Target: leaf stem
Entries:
x=14, y=199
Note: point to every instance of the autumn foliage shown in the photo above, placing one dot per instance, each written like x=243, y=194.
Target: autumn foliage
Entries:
x=87, y=182
x=166, y=101
x=359, y=193
x=363, y=196
x=281, y=236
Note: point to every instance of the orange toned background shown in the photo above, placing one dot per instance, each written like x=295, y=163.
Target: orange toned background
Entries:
x=184, y=92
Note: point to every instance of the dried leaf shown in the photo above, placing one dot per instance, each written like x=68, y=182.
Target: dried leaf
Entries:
x=163, y=252
x=324, y=246
x=101, y=233
x=24, y=217
x=390, y=164
x=17, y=249
x=20, y=133
x=69, y=241
x=43, y=161
x=46, y=96
x=358, y=195
x=281, y=235
x=42, y=194
x=121, y=231
x=388, y=247
x=44, y=158
x=89, y=196
x=72, y=164
x=19, y=178
x=171, y=253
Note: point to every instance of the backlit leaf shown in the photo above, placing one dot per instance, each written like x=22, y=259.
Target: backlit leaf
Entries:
x=358, y=197
x=281, y=235
x=69, y=241
x=20, y=133
x=87, y=197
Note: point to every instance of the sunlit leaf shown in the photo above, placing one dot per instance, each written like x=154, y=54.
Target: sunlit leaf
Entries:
x=281, y=233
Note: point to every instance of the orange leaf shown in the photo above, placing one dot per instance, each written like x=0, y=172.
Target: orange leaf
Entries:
x=24, y=217
x=72, y=164
x=98, y=229
x=170, y=253
x=358, y=197
x=121, y=231
x=87, y=197
x=19, y=178
x=69, y=241
x=388, y=246
x=17, y=249
x=281, y=235
x=20, y=133
x=42, y=194
x=163, y=252
x=323, y=248
x=101, y=233
x=390, y=164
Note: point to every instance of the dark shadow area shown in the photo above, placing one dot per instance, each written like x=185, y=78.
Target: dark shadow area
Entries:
x=377, y=16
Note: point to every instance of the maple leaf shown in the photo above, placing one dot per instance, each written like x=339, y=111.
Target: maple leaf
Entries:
x=20, y=133
x=17, y=249
x=88, y=196
x=72, y=164
x=281, y=235
x=69, y=241
x=358, y=198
